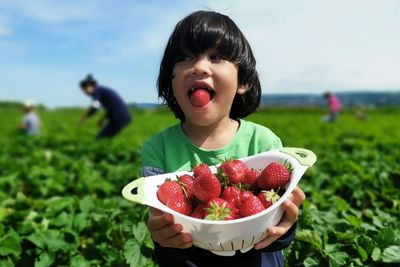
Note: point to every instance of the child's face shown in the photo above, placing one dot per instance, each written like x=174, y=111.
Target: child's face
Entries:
x=207, y=71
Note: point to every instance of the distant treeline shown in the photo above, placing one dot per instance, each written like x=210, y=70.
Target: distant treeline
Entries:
x=348, y=99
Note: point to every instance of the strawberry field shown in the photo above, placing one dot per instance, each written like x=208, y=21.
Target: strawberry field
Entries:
x=60, y=201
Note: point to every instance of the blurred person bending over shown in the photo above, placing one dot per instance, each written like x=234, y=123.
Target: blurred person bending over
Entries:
x=116, y=115
x=30, y=122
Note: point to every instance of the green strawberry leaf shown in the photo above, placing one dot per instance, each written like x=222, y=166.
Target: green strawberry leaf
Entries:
x=45, y=260
x=10, y=244
x=132, y=252
x=391, y=254
x=376, y=254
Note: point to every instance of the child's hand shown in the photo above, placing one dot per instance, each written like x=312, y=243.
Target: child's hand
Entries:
x=291, y=212
x=165, y=232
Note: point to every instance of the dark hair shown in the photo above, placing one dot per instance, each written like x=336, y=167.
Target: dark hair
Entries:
x=88, y=80
x=195, y=34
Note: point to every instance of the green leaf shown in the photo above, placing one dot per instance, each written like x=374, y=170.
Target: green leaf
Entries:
x=79, y=261
x=139, y=232
x=391, y=254
x=10, y=244
x=132, y=252
x=376, y=254
x=80, y=222
x=385, y=237
x=45, y=260
x=51, y=240
x=6, y=263
x=362, y=253
x=310, y=237
x=353, y=220
x=339, y=257
x=309, y=262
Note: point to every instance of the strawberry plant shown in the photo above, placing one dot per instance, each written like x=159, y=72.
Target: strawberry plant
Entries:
x=60, y=202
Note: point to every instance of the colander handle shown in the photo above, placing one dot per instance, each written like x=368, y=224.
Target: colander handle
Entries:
x=304, y=156
x=134, y=191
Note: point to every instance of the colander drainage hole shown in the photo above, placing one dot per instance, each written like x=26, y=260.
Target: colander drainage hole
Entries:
x=242, y=243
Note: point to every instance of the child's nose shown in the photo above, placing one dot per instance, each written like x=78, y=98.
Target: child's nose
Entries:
x=201, y=67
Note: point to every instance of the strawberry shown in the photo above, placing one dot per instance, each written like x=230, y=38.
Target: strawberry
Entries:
x=232, y=194
x=219, y=209
x=245, y=195
x=201, y=169
x=199, y=212
x=169, y=189
x=268, y=198
x=274, y=176
x=252, y=205
x=206, y=187
x=180, y=203
x=251, y=177
x=186, y=181
x=200, y=97
x=233, y=171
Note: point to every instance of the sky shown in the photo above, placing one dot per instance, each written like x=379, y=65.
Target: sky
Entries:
x=301, y=46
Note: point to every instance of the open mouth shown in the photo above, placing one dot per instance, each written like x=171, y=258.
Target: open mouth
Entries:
x=200, y=95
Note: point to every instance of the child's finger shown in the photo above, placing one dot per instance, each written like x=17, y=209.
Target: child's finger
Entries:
x=154, y=211
x=159, y=221
x=291, y=211
x=298, y=196
x=166, y=232
x=181, y=240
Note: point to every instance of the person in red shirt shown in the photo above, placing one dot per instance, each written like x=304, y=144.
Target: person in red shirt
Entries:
x=334, y=106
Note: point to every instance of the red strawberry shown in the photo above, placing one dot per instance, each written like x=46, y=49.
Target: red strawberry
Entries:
x=180, y=204
x=251, y=177
x=219, y=209
x=233, y=170
x=268, y=197
x=273, y=176
x=199, y=212
x=252, y=205
x=187, y=184
x=168, y=189
x=245, y=195
x=201, y=169
x=232, y=194
x=206, y=187
x=200, y=97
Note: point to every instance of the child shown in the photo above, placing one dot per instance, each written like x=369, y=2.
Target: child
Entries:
x=30, y=122
x=208, y=79
x=117, y=113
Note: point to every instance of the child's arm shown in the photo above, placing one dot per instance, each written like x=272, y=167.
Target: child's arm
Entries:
x=280, y=236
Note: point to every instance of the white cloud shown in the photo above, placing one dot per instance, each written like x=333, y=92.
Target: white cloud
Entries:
x=4, y=30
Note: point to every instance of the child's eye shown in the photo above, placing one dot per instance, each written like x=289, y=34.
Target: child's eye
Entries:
x=182, y=58
x=217, y=58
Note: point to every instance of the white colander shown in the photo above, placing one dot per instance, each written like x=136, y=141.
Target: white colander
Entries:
x=225, y=237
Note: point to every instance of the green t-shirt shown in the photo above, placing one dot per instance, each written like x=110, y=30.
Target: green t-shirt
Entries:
x=171, y=150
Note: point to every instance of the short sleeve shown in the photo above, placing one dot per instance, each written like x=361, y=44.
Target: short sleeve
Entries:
x=151, y=157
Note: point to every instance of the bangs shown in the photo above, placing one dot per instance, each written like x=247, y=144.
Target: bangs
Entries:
x=203, y=32
x=193, y=36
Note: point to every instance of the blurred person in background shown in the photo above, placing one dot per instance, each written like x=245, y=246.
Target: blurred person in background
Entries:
x=334, y=107
x=116, y=115
x=30, y=123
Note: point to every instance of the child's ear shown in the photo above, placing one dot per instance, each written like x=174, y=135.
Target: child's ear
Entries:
x=242, y=89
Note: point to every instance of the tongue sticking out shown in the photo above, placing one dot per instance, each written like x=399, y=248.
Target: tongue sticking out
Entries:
x=200, y=97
